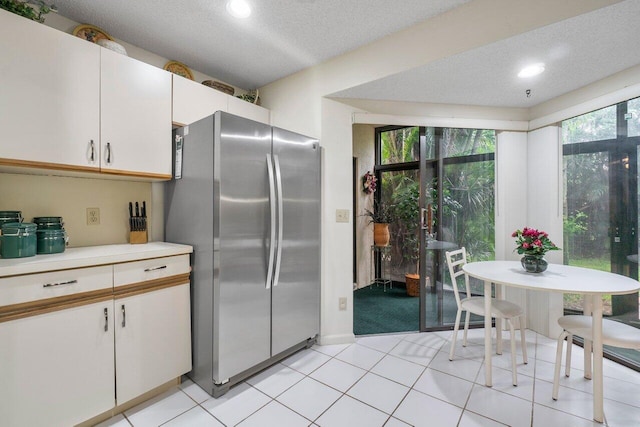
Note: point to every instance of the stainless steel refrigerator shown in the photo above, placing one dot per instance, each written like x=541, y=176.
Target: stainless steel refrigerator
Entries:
x=247, y=198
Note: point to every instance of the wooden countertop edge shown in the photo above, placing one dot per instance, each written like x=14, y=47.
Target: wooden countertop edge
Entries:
x=48, y=305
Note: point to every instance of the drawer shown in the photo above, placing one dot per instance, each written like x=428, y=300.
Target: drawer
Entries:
x=150, y=269
x=34, y=287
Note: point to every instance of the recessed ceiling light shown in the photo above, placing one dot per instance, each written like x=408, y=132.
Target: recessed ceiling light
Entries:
x=239, y=8
x=531, y=70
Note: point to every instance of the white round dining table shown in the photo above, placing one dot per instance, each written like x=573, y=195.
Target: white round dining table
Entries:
x=557, y=278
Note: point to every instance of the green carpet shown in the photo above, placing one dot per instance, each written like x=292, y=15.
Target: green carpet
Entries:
x=377, y=312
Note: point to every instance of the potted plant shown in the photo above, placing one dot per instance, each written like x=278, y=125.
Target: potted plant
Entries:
x=533, y=244
x=380, y=215
x=23, y=9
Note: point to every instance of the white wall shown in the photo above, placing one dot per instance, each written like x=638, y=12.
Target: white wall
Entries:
x=40, y=195
x=544, y=211
x=336, y=326
x=364, y=151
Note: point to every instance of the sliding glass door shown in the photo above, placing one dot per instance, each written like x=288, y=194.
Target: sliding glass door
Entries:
x=601, y=154
x=440, y=185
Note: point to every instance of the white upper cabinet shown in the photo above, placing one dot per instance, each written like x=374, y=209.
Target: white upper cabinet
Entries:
x=135, y=107
x=248, y=110
x=193, y=101
x=49, y=96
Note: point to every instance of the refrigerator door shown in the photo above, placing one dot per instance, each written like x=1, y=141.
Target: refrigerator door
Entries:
x=242, y=206
x=296, y=290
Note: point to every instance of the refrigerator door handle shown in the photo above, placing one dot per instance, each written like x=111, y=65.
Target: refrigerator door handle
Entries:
x=272, y=239
x=276, y=275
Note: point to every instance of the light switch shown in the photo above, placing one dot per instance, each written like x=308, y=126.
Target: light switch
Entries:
x=342, y=215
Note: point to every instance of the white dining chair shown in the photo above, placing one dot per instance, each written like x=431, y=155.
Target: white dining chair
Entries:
x=615, y=334
x=499, y=309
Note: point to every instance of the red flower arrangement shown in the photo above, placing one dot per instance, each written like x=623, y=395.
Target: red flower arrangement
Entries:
x=369, y=182
x=530, y=241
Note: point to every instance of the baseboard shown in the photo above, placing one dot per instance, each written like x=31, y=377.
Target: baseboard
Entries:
x=336, y=339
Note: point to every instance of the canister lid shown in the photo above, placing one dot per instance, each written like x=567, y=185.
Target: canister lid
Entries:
x=47, y=219
x=9, y=228
x=10, y=214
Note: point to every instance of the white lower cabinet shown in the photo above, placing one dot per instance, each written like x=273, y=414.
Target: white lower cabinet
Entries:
x=152, y=341
x=57, y=368
x=73, y=346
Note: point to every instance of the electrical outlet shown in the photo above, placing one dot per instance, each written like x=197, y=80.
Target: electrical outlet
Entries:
x=342, y=215
x=342, y=303
x=93, y=216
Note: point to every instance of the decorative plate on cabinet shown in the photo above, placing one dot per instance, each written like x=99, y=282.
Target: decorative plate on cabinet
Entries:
x=178, y=68
x=91, y=33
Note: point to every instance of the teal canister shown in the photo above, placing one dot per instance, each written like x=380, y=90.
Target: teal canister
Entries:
x=18, y=240
x=51, y=241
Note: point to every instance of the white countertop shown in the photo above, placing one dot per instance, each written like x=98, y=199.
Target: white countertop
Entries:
x=90, y=256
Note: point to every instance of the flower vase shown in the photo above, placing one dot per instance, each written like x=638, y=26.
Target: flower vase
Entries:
x=534, y=263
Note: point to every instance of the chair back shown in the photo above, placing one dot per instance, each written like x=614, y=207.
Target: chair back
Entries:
x=455, y=260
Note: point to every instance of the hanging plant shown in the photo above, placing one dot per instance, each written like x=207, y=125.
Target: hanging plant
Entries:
x=23, y=9
x=369, y=182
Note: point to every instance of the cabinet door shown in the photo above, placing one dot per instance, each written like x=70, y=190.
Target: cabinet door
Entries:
x=194, y=101
x=57, y=369
x=50, y=86
x=136, y=117
x=249, y=111
x=153, y=340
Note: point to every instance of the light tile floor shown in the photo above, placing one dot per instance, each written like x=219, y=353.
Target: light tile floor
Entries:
x=400, y=380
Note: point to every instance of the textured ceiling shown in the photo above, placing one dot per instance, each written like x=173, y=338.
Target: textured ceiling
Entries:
x=278, y=39
x=577, y=52
x=285, y=36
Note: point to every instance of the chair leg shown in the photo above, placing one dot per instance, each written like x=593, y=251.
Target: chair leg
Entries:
x=466, y=328
x=556, y=371
x=455, y=334
x=512, y=336
x=522, y=323
x=567, y=368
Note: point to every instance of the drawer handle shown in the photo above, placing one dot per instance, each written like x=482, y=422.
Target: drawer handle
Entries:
x=106, y=320
x=154, y=268
x=70, y=282
x=124, y=317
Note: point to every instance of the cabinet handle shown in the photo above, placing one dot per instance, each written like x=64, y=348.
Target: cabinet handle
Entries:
x=124, y=317
x=108, y=153
x=106, y=320
x=69, y=282
x=154, y=268
x=92, y=156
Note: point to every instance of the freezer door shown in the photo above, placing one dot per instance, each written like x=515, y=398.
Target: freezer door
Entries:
x=242, y=298
x=296, y=291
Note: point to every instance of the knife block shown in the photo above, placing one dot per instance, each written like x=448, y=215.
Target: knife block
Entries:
x=136, y=237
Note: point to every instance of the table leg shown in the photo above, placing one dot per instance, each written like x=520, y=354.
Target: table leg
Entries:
x=499, y=323
x=488, y=353
x=598, y=395
x=588, y=348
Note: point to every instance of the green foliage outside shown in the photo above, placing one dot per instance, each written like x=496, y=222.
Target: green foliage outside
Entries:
x=467, y=193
